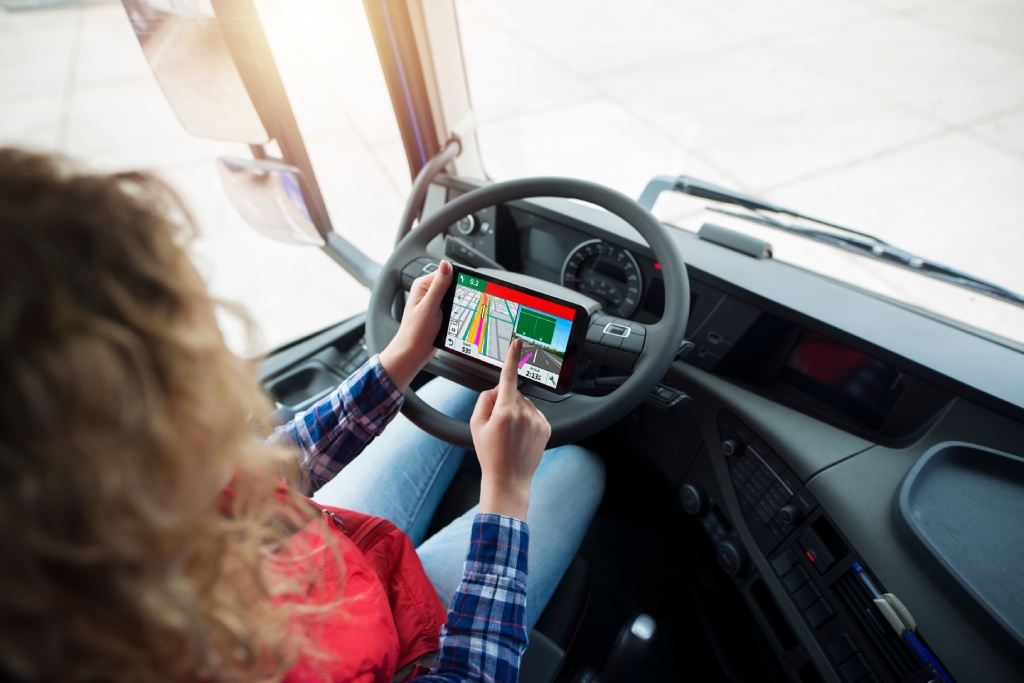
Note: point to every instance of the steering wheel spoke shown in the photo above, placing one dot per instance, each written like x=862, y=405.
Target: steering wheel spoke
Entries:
x=388, y=324
x=614, y=342
x=642, y=353
x=421, y=265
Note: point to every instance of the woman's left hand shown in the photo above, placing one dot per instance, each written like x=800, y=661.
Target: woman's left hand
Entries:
x=413, y=346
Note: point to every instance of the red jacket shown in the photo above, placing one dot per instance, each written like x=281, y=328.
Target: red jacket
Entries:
x=389, y=615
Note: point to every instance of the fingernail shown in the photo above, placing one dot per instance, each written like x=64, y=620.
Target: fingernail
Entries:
x=445, y=268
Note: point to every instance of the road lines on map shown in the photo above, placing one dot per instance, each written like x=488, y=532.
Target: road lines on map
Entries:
x=484, y=321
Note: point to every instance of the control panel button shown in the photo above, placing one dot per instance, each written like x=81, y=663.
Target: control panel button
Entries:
x=819, y=613
x=855, y=670
x=805, y=501
x=790, y=514
x=816, y=551
x=694, y=500
x=714, y=525
x=743, y=433
x=842, y=649
x=742, y=468
x=795, y=580
x=466, y=225
x=777, y=494
x=762, y=479
x=766, y=541
x=784, y=563
x=732, y=558
x=806, y=596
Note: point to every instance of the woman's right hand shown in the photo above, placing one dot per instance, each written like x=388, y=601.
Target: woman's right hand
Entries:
x=509, y=434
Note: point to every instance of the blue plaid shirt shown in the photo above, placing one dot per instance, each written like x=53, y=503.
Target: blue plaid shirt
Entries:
x=485, y=635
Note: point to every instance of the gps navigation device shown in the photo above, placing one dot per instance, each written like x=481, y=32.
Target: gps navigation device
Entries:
x=482, y=315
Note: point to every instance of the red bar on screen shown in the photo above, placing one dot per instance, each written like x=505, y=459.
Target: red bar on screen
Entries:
x=530, y=301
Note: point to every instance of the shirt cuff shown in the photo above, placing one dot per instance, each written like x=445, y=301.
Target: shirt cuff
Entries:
x=498, y=546
x=389, y=398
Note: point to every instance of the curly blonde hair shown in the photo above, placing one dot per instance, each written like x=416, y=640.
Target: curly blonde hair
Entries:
x=122, y=416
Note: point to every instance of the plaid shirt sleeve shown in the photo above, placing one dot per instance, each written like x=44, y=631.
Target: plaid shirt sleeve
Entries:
x=334, y=430
x=485, y=636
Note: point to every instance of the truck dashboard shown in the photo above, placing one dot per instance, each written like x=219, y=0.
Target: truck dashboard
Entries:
x=815, y=433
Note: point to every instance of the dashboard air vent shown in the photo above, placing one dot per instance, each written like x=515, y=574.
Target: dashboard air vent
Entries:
x=887, y=646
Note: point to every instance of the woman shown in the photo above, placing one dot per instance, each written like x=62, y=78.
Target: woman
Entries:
x=157, y=528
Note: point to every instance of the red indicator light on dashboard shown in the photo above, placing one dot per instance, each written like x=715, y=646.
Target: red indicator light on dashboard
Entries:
x=657, y=266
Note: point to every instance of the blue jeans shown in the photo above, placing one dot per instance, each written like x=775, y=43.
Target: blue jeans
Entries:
x=405, y=472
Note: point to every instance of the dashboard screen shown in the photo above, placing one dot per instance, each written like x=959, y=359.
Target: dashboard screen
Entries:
x=844, y=378
x=545, y=249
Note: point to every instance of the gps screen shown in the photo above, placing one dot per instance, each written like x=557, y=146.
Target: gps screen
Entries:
x=487, y=316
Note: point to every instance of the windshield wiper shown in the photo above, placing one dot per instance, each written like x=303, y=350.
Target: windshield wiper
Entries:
x=845, y=238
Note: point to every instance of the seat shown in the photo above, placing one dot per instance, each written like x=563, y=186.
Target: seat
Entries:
x=558, y=628
x=552, y=640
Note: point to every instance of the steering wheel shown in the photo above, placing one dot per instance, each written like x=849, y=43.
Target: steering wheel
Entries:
x=573, y=416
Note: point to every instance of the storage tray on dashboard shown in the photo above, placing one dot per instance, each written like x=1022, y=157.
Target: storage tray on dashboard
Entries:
x=965, y=504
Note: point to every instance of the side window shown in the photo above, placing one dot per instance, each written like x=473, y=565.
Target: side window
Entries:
x=74, y=79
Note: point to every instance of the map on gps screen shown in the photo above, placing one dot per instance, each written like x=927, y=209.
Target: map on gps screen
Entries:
x=486, y=317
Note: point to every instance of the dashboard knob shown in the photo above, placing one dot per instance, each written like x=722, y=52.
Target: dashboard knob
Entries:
x=732, y=556
x=789, y=513
x=466, y=225
x=732, y=447
x=695, y=501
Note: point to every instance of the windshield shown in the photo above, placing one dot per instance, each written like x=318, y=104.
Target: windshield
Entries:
x=901, y=118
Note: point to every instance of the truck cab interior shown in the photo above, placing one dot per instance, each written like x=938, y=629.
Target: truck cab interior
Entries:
x=810, y=480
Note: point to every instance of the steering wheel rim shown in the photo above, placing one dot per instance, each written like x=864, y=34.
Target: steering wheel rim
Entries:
x=574, y=416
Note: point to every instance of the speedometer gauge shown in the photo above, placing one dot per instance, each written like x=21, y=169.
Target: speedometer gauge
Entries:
x=606, y=273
